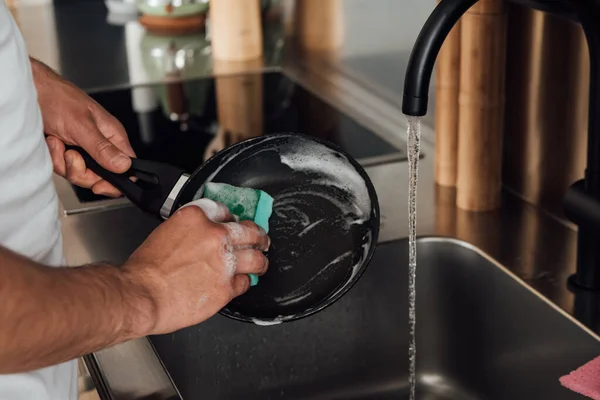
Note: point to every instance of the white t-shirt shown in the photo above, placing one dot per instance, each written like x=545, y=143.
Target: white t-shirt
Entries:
x=29, y=220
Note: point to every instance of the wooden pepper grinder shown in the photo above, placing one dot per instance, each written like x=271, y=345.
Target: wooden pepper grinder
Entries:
x=318, y=25
x=481, y=106
x=446, y=109
x=236, y=30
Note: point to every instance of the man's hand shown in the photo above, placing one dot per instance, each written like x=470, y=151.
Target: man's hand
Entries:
x=191, y=267
x=71, y=117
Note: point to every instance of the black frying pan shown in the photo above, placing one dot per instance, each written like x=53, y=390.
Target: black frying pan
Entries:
x=324, y=226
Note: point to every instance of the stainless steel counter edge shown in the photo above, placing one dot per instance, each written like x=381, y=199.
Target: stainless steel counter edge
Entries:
x=538, y=249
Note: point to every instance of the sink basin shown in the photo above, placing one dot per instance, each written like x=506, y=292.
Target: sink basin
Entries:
x=481, y=334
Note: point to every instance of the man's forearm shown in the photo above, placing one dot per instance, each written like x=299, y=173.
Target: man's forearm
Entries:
x=38, y=69
x=51, y=315
x=42, y=76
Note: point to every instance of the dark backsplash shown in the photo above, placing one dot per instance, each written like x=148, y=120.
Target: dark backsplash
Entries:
x=77, y=1
x=92, y=52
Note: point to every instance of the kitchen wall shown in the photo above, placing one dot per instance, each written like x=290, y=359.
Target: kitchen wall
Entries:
x=374, y=27
x=379, y=35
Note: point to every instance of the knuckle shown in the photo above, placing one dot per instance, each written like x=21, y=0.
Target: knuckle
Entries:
x=254, y=230
x=219, y=231
x=242, y=286
x=189, y=213
x=103, y=147
x=249, y=224
x=260, y=261
x=256, y=261
x=245, y=284
x=73, y=174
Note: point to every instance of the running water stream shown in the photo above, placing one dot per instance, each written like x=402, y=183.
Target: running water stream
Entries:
x=414, y=138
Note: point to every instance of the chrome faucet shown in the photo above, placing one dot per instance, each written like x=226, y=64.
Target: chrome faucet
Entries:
x=582, y=200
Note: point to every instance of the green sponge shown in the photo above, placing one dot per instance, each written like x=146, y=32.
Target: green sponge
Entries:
x=247, y=203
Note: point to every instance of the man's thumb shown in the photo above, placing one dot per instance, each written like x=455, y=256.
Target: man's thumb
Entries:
x=106, y=153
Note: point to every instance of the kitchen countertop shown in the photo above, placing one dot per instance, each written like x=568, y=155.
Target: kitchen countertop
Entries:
x=532, y=244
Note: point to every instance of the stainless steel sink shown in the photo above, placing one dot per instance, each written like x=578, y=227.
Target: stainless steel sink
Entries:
x=481, y=334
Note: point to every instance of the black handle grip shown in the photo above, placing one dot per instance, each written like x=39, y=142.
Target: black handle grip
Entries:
x=155, y=180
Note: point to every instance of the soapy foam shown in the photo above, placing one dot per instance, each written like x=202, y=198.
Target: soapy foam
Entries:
x=214, y=211
x=289, y=204
x=287, y=300
x=324, y=161
x=262, y=322
x=236, y=232
x=298, y=294
x=355, y=267
x=202, y=299
x=309, y=227
x=229, y=259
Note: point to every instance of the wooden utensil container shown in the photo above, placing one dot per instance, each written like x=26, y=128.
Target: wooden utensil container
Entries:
x=446, y=109
x=236, y=30
x=318, y=24
x=481, y=106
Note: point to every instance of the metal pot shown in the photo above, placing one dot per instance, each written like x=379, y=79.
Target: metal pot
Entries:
x=172, y=59
x=172, y=8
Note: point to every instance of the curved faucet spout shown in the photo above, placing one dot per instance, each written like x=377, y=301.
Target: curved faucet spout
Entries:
x=438, y=26
x=425, y=52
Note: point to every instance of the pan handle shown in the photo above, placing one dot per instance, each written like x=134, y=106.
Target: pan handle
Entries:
x=152, y=188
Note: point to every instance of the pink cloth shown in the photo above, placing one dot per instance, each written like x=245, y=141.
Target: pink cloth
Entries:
x=585, y=380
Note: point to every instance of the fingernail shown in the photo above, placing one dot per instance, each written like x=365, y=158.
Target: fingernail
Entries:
x=120, y=160
x=51, y=144
x=253, y=279
x=69, y=159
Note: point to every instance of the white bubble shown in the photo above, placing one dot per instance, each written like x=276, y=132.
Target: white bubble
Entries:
x=230, y=261
x=214, y=211
x=236, y=231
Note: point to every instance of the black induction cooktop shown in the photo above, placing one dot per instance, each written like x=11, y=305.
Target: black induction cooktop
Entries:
x=184, y=123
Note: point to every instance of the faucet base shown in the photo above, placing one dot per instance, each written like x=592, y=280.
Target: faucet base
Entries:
x=583, y=208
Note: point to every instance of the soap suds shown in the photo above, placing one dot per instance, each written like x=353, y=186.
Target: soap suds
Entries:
x=365, y=250
x=288, y=300
x=202, y=299
x=214, y=211
x=262, y=322
x=321, y=160
x=309, y=227
x=235, y=231
x=229, y=259
x=299, y=293
x=284, y=209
